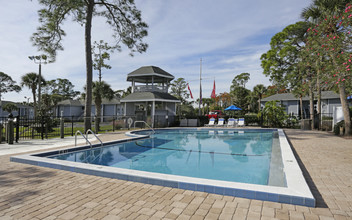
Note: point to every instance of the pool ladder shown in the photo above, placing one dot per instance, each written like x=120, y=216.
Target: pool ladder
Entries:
x=86, y=137
x=145, y=124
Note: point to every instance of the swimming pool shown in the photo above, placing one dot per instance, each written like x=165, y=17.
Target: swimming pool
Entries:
x=248, y=163
x=211, y=154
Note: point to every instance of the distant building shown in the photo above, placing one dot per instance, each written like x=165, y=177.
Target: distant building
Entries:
x=329, y=101
x=150, y=100
x=75, y=108
x=23, y=110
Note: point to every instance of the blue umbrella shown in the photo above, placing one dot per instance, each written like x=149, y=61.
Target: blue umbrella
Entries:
x=233, y=108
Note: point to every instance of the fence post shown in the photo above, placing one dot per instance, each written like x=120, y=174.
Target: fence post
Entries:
x=46, y=121
x=0, y=132
x=71, y=125
x=10, y=128
x=17, y=128
x=62, y=127
x=42, y=127
x=113, y=124
x=96, y=124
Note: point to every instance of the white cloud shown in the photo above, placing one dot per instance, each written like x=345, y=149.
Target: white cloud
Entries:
x=229, y=35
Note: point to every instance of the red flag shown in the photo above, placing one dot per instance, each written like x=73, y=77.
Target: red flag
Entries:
x=190, y=92
x=213, y=95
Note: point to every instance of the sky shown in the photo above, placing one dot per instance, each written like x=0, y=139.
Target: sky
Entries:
x=228, y=35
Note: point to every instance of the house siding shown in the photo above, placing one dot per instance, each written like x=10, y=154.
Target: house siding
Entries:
x=293, y=107
x=332, y=104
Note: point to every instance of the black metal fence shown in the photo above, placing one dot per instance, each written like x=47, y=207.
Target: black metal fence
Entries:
x=44, y=127
x=3, y=121
x=322, y=121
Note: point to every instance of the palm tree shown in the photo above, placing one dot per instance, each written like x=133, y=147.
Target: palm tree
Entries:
x=100, y=91
x=320, y=8
x=259, y=91
x=31, y=80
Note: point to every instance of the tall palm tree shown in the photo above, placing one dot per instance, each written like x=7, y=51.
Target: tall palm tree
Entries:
x=259, y=91
x=320, y=8
x=100, y=91
x=31, y=80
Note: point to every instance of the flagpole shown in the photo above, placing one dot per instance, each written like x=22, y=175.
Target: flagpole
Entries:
x=200, y=87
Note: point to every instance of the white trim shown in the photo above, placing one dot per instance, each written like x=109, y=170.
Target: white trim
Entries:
x=152, y=74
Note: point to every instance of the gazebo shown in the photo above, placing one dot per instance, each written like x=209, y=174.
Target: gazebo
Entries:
x=150, y=100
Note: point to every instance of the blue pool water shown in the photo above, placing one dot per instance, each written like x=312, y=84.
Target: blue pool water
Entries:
x=229, y=155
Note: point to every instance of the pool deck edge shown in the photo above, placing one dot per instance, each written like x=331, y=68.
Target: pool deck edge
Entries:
x=297, y=192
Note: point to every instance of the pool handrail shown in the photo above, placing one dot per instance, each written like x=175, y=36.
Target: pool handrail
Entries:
x=78, y=131
x=134, y=125
x=90, y=131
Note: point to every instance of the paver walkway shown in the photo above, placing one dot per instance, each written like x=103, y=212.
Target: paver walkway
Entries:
x=31, y=192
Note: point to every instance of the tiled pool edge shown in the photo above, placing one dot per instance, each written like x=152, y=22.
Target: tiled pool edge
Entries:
x=300, y=195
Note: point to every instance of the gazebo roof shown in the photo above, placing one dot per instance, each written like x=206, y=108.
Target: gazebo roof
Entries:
x=149, y=96
x=145, y=74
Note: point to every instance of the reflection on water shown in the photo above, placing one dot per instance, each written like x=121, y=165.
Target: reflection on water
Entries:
x=212, y=154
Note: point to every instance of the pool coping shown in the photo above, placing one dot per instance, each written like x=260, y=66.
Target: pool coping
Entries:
x=297, y=191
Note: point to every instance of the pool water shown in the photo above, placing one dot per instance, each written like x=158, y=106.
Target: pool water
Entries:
x=228, y=155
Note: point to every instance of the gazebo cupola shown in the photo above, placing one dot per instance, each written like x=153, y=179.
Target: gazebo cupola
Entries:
x=150, y=79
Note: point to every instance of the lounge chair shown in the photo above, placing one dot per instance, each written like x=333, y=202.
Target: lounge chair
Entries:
x=241, y=122
x=231, y=122
x=211, y=122
x=221, y=122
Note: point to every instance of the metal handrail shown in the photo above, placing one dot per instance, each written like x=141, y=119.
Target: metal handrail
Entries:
x=83, y=137
x=144, y=123
x=89, y=130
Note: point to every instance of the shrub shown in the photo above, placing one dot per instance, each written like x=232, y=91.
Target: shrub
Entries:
x=251, y=120
x=292, y=122
x=337, y=127
x=274, y=115
x=118, y=124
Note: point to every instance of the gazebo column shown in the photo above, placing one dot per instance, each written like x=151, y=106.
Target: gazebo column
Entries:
x=153, y=113
x=146, y=111
x=152, y=83
x=133, y=85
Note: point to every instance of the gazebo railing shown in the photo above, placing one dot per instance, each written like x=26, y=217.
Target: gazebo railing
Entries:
x=150, y=88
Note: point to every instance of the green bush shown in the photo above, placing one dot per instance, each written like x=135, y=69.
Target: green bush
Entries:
x=251, y=120
x=274, y=115
x=49, y=123
x=292, y=122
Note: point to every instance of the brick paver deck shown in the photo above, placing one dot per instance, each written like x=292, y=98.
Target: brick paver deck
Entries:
x=31, y=192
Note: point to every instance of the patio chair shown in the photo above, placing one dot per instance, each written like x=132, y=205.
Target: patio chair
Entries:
x=231, y=122
x=221, y=122
x=211, y=122
x=241, y=122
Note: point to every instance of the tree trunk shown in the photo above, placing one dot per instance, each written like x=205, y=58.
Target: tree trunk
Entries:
x=311, y=104
x=259, y=107
x=34, y=103
x=301, y=105
x=318, y=88
x=97, y=102
x=319, y=100
x=345, y=109
x=88, y=101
